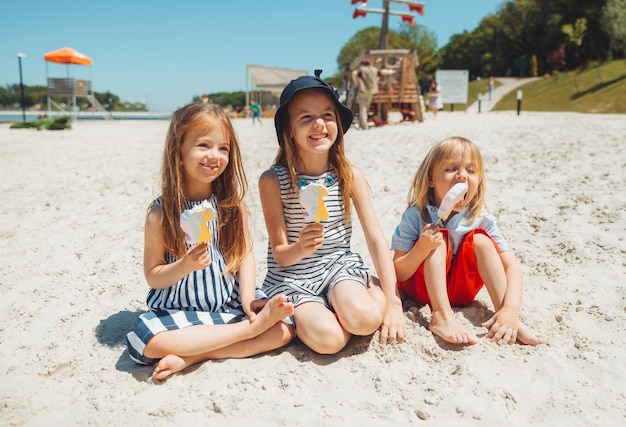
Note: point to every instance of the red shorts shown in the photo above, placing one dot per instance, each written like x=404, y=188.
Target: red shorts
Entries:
x=464, y=282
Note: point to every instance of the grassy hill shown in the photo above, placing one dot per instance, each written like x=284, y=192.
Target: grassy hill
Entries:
x=597, y=89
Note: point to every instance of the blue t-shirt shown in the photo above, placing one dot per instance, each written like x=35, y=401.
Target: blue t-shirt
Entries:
x=411, y=225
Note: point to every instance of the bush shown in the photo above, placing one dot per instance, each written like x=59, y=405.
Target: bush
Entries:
x=58, y=126
x=58, y=123
x=62, y=119
x=43, y=123
x=23, y=125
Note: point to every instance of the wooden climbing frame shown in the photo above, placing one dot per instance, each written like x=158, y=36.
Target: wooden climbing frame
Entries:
x=396, y=92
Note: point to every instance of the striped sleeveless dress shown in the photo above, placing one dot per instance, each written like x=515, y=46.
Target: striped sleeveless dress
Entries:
x=210, y=296
x=312, y=278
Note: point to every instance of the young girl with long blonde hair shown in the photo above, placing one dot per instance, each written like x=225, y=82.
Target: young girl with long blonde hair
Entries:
x=203, y=299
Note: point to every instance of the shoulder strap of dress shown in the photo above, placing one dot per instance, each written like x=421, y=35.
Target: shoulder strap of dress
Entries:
x=156, y=202
x=283, y=178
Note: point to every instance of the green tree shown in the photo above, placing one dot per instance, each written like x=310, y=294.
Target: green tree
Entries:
x=614, y=23
x=505, y=42
x=596, y=42
x=367, y=38
x=228, y=99
x=10, y=98
x=520, y=22
x=109, y=101
x=576, y=33
x=424, y=41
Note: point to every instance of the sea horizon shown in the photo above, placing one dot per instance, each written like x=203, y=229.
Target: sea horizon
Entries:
x=10, y=116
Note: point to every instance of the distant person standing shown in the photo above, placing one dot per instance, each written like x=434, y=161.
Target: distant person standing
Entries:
x=256, y=112
x=491, y=85
x=436, y=102
x=365, y=78
x=205, y=98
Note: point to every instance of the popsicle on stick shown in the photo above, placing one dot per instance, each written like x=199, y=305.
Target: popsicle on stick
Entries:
x=450, y=200
x=312, y=200
x=195, y=223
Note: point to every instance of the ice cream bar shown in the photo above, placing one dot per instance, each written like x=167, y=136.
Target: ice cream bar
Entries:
x=450, y=200
x=312, y=200
x=195, y=223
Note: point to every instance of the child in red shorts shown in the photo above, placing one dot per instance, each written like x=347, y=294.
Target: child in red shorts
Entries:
x=446, y=263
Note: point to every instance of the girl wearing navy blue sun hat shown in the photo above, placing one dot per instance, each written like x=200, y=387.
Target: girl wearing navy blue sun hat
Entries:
x=309, y=82
x=309, y=257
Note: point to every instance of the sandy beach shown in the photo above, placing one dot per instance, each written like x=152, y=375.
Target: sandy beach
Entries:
x=73, y=207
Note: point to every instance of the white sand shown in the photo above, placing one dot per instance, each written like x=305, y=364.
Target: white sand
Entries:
x=72, y=209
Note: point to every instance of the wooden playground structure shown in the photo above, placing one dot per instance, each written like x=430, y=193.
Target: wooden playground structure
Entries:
x=396, y=92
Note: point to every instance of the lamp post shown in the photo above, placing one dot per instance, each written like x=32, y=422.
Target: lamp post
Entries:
x=21, y=55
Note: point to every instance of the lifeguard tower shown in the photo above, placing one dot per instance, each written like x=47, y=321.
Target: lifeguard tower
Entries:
x=398, y=91
x=71, y=87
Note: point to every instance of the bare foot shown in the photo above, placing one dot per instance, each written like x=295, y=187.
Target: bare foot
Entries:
x=168, y=365
x=529, y=336
x=447, y=327
x=274, y=310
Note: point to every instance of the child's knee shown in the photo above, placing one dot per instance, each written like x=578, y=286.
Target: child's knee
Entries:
x=283, y=333
x=330, y=345
x=330, y=341
x=157, y=347
x=483, y=242
x=481, y=239
x=363, y=317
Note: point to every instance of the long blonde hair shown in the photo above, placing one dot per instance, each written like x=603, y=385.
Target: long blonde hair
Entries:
x=229, y=188
x=288, y=156
x=421, y=194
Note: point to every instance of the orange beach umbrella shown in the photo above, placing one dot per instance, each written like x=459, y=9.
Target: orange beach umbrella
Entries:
x=67, y=55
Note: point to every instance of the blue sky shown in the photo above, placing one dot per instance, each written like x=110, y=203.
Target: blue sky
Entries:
x=163, y=53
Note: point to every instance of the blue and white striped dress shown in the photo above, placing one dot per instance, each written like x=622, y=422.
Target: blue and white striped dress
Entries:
x=313, y=277
x=210, y=296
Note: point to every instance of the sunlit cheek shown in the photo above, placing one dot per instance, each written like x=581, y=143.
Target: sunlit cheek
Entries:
x=333, y=129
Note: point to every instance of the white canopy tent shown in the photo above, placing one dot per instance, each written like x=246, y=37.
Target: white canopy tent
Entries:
x=268, y=83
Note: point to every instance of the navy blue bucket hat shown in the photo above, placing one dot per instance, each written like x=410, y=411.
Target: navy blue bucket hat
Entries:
x=309, y=82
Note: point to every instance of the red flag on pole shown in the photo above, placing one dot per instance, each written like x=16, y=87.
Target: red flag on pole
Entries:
x=416, y=8
x=409, y=19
